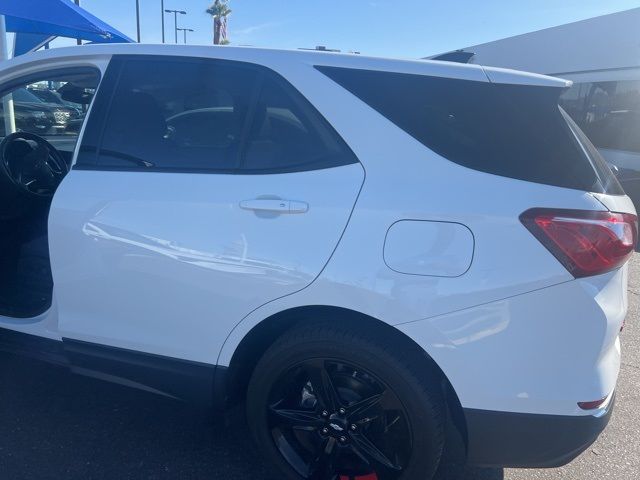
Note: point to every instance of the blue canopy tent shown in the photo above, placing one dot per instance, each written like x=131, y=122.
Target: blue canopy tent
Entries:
x=32, y=20
x=28, y=42
x=35, y=22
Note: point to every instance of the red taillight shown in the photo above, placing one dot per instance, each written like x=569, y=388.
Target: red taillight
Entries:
x=585, y=242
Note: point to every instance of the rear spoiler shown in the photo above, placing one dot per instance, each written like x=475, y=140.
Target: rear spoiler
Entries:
x=503, y=75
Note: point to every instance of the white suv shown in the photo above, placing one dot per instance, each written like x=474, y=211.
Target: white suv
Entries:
x=386, y=259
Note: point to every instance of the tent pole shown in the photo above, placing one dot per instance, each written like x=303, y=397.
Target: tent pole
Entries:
x=7, y=100
x=78, y=40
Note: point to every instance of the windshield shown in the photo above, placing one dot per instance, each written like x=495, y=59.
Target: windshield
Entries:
x=25, y=96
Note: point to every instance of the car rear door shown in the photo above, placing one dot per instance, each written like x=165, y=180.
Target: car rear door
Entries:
x=202, y=190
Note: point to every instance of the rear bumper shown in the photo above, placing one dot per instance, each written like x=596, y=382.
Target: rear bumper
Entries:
x=502, y=439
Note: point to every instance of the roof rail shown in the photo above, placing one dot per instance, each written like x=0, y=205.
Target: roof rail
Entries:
x=321, y=48
x=458, y=56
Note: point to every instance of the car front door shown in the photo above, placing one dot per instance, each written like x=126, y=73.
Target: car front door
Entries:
x=202, y=190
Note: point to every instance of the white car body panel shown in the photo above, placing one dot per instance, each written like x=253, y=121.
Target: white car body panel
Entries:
x=543, y=324
x=514, y=77
x=170, y=264
x=616, y=203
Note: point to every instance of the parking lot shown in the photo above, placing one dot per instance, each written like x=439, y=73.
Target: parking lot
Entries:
x=54, y=425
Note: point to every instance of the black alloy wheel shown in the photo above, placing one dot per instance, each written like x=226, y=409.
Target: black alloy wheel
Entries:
x=325, y=412
x=331, y=418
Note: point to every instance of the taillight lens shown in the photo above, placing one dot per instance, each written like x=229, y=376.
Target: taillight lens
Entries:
x=585, y=242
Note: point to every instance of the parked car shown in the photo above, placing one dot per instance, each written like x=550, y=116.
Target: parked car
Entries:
x=35, y=115
x=384, y=259
x=72, y=113
x=49, y=95
x=30, y=113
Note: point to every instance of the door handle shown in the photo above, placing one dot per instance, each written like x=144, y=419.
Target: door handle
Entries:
x=274, y=206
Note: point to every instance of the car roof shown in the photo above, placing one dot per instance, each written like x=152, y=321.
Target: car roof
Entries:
x=275, y=57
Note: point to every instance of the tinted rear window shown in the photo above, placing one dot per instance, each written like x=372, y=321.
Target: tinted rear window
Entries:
x=516, y=131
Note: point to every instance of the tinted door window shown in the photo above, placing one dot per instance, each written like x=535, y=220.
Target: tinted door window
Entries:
x=177, y=115
x=608, y=112
x=172, y=114
x=516, y=131
x=287, y=134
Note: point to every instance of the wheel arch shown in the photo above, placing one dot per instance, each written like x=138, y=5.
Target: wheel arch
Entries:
x=258, y=339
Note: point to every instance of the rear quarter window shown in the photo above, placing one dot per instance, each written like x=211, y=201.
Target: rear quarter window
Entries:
x=516, y=131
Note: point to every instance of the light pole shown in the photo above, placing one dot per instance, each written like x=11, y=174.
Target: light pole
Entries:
x=138, y=18
x=185, y=30
x=175, y=19
x=162, y=17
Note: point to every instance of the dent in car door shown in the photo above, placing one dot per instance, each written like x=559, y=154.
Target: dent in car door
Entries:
x=167, y=262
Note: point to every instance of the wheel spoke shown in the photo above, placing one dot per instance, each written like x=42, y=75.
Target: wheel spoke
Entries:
x=297, y=419
x=368, y=452
x=360, y=408
x=31, y=184
x=322, y=467
x=323, y=387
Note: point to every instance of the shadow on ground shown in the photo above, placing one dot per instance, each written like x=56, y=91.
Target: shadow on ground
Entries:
x=55, y=425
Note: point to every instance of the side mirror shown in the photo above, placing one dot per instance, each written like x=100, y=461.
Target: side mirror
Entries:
x=75, y=94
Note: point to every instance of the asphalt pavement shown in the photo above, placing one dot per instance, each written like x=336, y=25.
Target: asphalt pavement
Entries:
x=58, y=426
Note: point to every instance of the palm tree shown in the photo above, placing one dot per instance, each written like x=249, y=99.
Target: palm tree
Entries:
x=219, y=11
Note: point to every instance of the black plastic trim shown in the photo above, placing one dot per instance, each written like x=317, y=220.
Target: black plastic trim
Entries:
x=182, y=379
x=220, y=399
x=32, y=346
x=521, y=440
x=208, y=171
x=458, y=56
x=97, y=115
x=200, y=383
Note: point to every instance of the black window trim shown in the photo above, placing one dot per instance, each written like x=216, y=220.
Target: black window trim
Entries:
x=111, y=81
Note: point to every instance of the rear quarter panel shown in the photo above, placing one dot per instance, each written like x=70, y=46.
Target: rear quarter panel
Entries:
x=407, y=181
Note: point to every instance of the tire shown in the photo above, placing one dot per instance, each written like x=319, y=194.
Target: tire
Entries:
x=389, y=401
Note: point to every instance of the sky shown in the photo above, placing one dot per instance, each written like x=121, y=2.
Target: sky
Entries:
x=401, y=28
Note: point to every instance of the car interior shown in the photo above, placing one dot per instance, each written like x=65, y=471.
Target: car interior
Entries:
x=37, y=141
